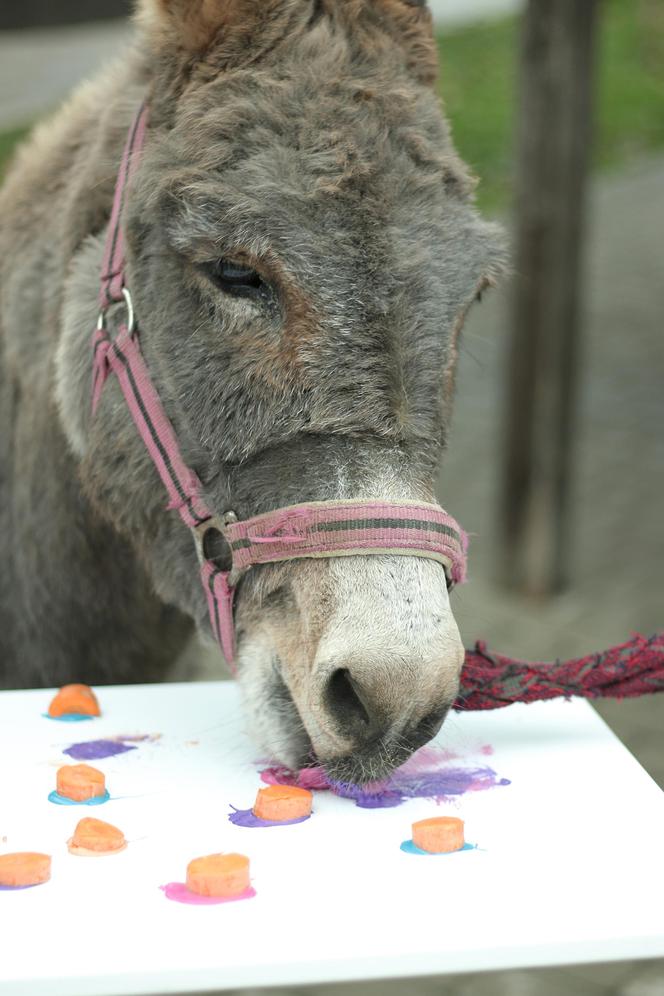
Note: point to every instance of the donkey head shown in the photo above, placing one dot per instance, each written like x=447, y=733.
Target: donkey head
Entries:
x=302, y=249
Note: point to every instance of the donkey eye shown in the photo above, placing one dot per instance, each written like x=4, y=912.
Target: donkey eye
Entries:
x=235, y=278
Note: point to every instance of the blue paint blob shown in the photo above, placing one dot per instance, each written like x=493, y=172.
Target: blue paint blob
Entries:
x=247, y=818
x=95, y=750
x=62, y=800
x=69, y=717
x=409, y=848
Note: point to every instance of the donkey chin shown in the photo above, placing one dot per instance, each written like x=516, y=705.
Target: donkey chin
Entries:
x=350, y=663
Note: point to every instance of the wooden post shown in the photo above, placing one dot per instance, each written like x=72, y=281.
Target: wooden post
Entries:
x=552, y=165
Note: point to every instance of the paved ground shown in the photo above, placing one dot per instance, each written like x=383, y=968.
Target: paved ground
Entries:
x=39, y=67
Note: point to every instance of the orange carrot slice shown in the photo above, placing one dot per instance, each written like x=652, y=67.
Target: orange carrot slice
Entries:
x=283, y=802
x=439, y=835
x=80, y=782
x=96, y=837
x=74, y=699
x=218, y=875
x=24, y=868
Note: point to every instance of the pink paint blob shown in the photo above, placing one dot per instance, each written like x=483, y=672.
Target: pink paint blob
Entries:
x=307, y=778
x=486, y=749
x=427, y=757
x=178, y=892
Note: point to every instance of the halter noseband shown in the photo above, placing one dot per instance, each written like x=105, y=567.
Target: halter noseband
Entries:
x=310, y=529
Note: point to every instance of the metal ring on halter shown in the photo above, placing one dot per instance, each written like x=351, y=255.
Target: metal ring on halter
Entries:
x=129, y=304
x=215, y=524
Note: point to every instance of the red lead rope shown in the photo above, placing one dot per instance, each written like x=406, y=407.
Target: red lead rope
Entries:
x=491, y=681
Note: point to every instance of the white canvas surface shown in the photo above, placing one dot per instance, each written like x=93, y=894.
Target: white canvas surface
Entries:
x=569, y=865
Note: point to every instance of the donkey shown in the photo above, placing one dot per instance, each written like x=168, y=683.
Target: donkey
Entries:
x=302, y=246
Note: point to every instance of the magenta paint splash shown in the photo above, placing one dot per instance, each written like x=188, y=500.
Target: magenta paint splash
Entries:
x=95, y=750
x=247, y=818
x=307, y=778
x=178, y=892
x=426, y=775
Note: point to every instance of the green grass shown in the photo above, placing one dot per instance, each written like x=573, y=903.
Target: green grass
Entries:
x=8, y=141
x=478, y=71
x=478, y=82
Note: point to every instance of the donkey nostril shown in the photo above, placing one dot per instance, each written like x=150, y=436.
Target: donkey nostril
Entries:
x=427, y=728
x=343, y=698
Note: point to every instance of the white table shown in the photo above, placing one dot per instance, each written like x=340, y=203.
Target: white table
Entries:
x=569, y=865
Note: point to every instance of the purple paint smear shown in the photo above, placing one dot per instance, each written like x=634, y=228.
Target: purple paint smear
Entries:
x=247, y=818
x=179, y=893
x=95, y=750
x=424, y=776
x=20, y=888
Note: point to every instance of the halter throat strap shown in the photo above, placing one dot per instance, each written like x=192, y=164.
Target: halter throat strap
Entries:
x=307, y=530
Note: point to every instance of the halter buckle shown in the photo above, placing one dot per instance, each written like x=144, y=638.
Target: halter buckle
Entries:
x=129, y=304
x=216, y=524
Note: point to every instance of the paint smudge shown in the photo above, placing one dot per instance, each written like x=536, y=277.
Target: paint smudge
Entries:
x=306, y=778
x=137, y=738
x=20, y=888
x=178, y=892
x=486, y=749
x=86, y=852
x=410, y=848
x=69, y=717
x=426, y=775
x=247, y=818
x=62, y=800
x=430, y=756
x=95, y=750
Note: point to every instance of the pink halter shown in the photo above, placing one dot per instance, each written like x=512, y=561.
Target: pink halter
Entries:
x=311, y=529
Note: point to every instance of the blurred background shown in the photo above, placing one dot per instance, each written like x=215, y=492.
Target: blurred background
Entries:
x=556, y=458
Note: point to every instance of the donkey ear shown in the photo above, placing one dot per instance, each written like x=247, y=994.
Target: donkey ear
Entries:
x=193, y=25
x=186, y=24
x=413, y=27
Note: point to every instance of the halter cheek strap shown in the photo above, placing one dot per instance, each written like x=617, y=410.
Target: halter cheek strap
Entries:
x=310, y=529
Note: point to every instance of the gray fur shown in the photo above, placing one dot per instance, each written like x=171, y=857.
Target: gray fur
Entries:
x=314, y=148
